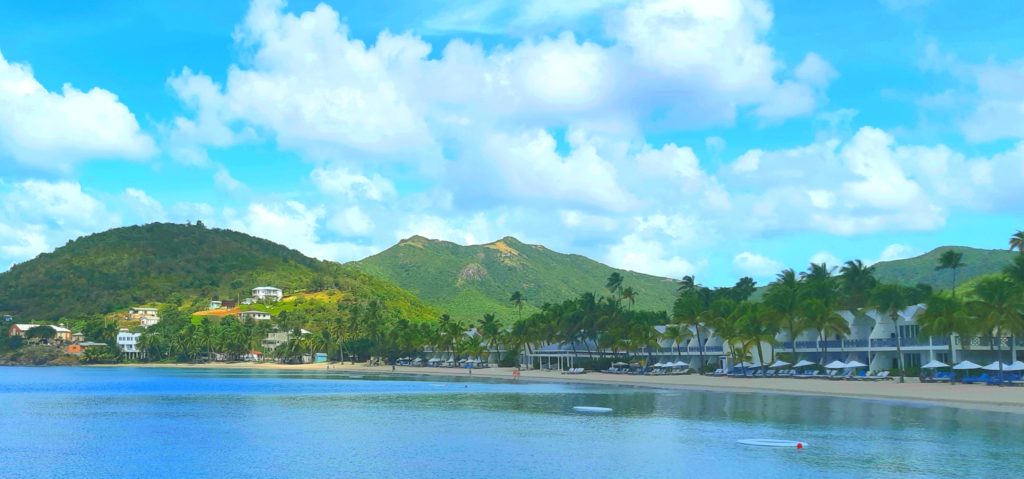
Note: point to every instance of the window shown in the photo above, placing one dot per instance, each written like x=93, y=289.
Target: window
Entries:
x=912, y=360
x=909, y=331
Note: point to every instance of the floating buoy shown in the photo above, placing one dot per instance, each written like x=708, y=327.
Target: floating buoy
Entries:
x=772, y=443
x=592, y=409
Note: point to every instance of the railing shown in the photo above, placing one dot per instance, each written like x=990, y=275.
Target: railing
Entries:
x=713, y=349
x=807, y=345
x=855, y=343
x=883, y=343
x=832, y=344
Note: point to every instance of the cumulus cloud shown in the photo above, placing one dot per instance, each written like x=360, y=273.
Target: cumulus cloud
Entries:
x=340, y=181
x=634, y=253
x=54, y=131
x=756, y=265
x=296, y=225
x=896, y=251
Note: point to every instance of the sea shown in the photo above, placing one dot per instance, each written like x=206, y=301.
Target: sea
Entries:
x=77, y=422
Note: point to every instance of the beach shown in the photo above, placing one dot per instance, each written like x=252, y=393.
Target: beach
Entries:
x=970, y=396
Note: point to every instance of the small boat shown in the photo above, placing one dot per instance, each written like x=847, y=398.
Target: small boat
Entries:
x=592, y=409
x=772, y=443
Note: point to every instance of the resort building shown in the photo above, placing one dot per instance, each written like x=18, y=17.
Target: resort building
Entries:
x=277, y=338
x=147, y=316
x=60, y=333
x=128, y=342
x=267, y=293
x=872, y=341
x=254, y=315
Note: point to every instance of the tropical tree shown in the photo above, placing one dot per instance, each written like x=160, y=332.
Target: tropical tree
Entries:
x=951, y=260
x=491, y=332
x=687, y=284
x=1017, y=242
x=825, y=320
x=999, y=307
x=678, y=334
x=517, y=301
x=614, y=283
x=785, y=296
x=856, y=281
x=743, y=288
x=943, y=316
x=629, y=294
x=892, y=299
x=757, y=324
x=689, y=311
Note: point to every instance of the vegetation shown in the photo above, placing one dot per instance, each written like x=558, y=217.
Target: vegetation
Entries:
x=183, y=265
x=925, y=269
x=470, y=281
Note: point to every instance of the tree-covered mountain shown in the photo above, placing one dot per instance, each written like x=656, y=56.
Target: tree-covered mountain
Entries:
x=173, y=263
x=921, y=269
x=469, y=281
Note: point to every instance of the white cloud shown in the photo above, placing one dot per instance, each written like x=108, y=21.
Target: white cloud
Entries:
x=146, y=207
x=634, y=253
x=756, y=265
x=896, y=251
x=825, y=257
x=223, y=179
x=56, y=130
x=351, y=221
x=296, y=225
x=340, y=181
x=815, y=71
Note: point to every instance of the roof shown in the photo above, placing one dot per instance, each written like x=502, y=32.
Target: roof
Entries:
x=26, y=327
x=87, y=344
x=254, y=312
x=267, y=287
x=145, y=309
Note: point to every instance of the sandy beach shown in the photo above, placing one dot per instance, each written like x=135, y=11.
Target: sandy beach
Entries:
x=973, y=396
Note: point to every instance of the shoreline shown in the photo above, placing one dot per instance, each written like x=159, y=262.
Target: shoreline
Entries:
x=965, y=396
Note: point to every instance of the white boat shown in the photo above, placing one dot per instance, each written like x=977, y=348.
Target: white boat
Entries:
x=772, y=443
x=592, y=409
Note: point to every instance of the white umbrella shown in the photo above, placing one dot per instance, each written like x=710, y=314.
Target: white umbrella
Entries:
x=659, y=365
x=749, y=365
x=933, y=364
x=684, y=364
x=856, y=364
x=835, y=365
x=966, y=365
x=994, y=366
x=619, y=364
x=803, y=363
x=1016, y=366
x=778, y=364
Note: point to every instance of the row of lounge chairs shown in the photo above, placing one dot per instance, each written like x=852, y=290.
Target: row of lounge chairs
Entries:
x=574, y=371
x=1006, y=379
x=792, y=373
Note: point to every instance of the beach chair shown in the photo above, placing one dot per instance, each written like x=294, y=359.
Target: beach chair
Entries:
x=718, y=372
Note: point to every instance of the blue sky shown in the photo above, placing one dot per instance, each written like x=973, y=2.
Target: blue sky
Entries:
x=666, y=136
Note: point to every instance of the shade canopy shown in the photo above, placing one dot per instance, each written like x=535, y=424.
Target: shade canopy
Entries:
x=659, y=365
x=935, y=364
x=803, y=363
x=748, y=365
x=835, y=365
x=683, y=364
x=966, y=365
x=1016, y=366
x=620, y=363
x=856, y=364
x=778, y=364
x=994, y=366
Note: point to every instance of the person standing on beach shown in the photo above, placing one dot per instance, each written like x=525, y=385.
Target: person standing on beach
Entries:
x=515, y=375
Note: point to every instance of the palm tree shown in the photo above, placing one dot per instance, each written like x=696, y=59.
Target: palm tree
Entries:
x=688, y=310
x=629, y=294
x=614, y=283
x=517, y=302
x=856, y=280
x=998, y=306
x=951, y=260
x=687, y=284
x=825, y=320
x=784, y=295
x=757, y=324
x=744, y=288
x=1017, y=242
x=678, y=334
x=490, y=329
x=944, y=316
x=892, y=299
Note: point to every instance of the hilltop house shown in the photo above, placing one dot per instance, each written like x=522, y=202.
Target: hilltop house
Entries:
x=8, y=318
x=254, y=315
x=62, y=333
x=148, y=316
x=270, y=293
x=129, y=344
x=222, y=304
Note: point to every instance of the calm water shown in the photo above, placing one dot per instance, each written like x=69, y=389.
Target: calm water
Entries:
x=91, y=422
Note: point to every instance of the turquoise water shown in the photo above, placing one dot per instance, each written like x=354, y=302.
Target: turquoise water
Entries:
x=97, y=422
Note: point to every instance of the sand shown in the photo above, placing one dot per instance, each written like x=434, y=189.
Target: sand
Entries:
x=972, y=396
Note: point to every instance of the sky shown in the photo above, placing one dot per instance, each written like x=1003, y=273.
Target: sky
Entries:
x=670, y=137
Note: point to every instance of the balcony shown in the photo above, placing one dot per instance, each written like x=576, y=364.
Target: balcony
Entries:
x=855, y=343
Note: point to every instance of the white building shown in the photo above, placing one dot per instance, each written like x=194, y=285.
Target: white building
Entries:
x=147, y=316
x=262, y=293
x=254, y=315
x=129, y=344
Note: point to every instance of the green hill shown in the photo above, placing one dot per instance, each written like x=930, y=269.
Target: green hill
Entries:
x=172, y=263
x=921, y=269
x=469, y=281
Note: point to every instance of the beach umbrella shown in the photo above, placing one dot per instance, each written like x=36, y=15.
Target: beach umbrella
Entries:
x=835, y=365
x=966, y=365
x=778, y=364
x=748, y=365
x=803, y=363
x=1016, y=366
x=856, y=364
x=684, y=364
x=659, y=365
x=994, y=366
x=620, y=363
x=935, y=364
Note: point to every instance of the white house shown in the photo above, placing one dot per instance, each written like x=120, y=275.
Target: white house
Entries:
x=129, y=343
x=254, y=315
x=147, y=316
x=267, y=293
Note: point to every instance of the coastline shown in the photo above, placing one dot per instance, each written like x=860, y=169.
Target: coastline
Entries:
x=977, y=397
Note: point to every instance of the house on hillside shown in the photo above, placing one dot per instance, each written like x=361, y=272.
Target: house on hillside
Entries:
x=147, y=316
x=277, y=338
x=128, y=342
x=8, y=318
x=79, y=348
x=214, y=304
x=222, y=304
x=254, y=315
x=61, y=333
x=77, y=337
x=267, y=293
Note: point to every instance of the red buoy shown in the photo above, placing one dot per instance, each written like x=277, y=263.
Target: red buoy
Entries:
x=799, y=445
